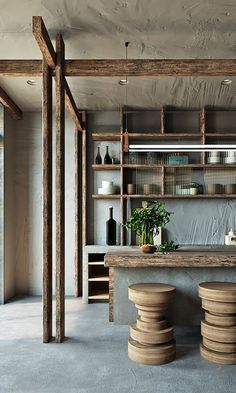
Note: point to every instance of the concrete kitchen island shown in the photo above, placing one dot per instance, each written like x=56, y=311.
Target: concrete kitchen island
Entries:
x=184, y=268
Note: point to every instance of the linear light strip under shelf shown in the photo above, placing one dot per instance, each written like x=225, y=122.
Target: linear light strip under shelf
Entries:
x=180, y=148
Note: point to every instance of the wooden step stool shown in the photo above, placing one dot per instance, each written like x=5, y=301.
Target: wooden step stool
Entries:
x=218, y=329
x=151, y=337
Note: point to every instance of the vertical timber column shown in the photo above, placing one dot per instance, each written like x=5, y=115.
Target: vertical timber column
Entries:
x=76, y=196
x=47, y=203
x=80, y=210
x=60, y=191
x=84, y=181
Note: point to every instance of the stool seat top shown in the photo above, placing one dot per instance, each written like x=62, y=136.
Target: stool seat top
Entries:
x=219, y=286
x=218, y=291
x=152, y=288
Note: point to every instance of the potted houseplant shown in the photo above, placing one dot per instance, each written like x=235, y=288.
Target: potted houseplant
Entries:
x=145, y=222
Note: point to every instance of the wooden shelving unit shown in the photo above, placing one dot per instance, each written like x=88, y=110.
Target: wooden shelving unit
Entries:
x=166, y=129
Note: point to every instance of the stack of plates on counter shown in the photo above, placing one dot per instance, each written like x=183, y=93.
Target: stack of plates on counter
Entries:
x=107, y=188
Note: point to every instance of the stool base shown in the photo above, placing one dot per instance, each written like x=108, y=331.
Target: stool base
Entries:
x=217, y=357
x=151, y=354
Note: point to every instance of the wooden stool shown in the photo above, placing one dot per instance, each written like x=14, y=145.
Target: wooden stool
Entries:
x=151, y=337
x=218, y=329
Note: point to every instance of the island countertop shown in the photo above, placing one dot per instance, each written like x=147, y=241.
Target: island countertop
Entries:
x=185, y=256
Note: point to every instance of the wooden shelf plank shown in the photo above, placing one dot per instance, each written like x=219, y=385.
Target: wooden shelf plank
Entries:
x=99, y=295
x=148, y=166
x=99, y=278
x=164, y=136
x=101, y=196
x=102, y=167
x=102, y=136
x=168, y=196
x=221, y=135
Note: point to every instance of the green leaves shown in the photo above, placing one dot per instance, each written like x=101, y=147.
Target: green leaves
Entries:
x=143, y=221
x=168, y=246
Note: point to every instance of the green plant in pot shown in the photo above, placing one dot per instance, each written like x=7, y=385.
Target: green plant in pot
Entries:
x=145, y=222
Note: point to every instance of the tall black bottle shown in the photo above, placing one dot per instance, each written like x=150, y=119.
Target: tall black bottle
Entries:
x=107, y=158
x=111, y=229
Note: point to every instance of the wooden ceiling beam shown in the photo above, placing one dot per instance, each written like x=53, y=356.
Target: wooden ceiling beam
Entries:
x=44, y=41
x=49, y=55
x=117, y=67
x=71, y=106
x=10, y=106
x=150, y=67
x=24, y=68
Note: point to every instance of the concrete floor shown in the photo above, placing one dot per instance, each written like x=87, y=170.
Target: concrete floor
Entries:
x=94, y=357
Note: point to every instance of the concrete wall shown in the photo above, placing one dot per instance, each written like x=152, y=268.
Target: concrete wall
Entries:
x=26, y=217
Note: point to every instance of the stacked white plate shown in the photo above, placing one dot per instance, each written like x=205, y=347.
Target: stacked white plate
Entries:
x=107, y=188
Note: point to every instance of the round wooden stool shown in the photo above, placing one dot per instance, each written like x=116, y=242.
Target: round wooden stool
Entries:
x=151, y=337
x=218, y=329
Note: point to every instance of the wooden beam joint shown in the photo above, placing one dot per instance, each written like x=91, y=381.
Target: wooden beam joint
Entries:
x=10, y=106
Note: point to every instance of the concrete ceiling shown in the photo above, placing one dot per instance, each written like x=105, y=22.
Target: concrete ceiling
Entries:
x=99, y=28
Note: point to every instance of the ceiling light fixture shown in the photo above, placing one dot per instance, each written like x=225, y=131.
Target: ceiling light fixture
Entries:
x=123, y=82
x=226, y=82
x=31, y=82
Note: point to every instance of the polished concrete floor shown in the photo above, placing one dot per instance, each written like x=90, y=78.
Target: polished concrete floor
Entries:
x=94, y=357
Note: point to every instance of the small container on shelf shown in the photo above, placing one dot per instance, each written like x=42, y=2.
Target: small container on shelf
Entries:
x=214, y=188
x=214, y=157
x=131, y=189
x=229, y=157
x=230, y=188
x=149, y=189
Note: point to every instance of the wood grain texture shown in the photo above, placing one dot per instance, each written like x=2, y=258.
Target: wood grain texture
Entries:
x=220, y=320
x=219, y=347
x=192, y=257
x=218, y=357
x=84, y=181
x=71, y=106
x=151, y=329
x=218, y=307
x=10, y=106
x=111, y=294
x=23, y=68
x=43, y=40
x=218, y=291
x=77, y=209
x=121, y=67
x=47, y=203
x=151, y=67
x=151, y=354
x=220, y=334
x=60, y=192
x=149, y=294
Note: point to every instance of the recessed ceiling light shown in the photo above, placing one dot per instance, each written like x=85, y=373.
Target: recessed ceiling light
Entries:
x=226, y=82
x=31, y=82
x=123, y=82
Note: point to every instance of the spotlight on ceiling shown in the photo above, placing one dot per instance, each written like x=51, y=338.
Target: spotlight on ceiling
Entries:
x=123, y=82
x=226, y=82
x=31, y=82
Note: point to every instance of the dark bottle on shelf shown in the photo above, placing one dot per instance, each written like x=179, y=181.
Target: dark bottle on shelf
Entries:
x=111, y=229
x=107, y=158
x=98, y=159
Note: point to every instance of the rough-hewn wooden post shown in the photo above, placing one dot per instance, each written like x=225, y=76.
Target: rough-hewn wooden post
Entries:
x=60, y=191
x=47, y=203
x=77, y=206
